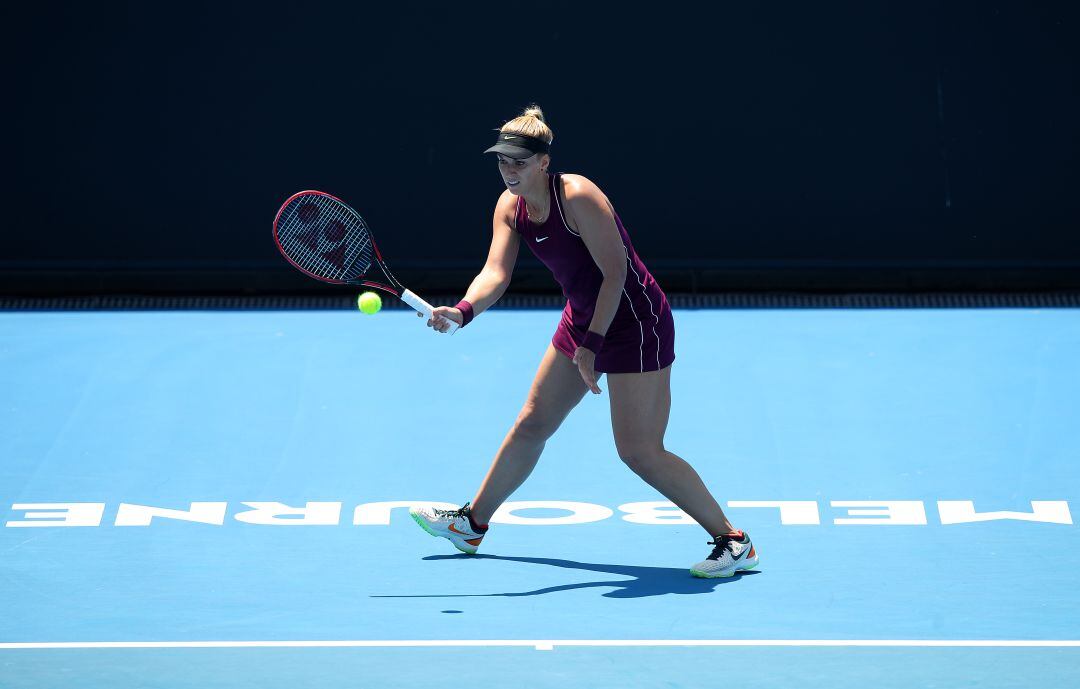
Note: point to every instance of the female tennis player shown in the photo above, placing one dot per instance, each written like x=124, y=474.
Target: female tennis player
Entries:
x=617, y=321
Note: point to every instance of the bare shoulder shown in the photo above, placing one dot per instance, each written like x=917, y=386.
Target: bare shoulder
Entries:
x=584, y=197
x=506, y=199
x=506, y=206
x=582, y=188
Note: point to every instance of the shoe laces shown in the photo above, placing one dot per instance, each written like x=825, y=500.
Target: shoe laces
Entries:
x=722, y=543
x=460, y=512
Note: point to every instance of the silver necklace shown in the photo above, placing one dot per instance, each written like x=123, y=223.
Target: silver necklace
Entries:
x=537, y=217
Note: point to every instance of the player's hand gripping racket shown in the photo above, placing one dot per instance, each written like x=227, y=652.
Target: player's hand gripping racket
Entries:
x=325, y=238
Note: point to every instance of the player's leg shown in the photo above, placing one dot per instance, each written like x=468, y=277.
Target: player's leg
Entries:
x=556, y=389
x=640, y=405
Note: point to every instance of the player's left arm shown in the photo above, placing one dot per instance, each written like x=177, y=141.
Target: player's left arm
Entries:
x=595, y=222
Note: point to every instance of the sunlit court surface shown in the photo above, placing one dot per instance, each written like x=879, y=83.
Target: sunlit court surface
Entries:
x=219, y=499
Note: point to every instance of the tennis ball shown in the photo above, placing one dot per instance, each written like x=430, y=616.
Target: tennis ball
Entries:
x=369, y=302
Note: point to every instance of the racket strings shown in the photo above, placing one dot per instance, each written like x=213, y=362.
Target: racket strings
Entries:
x=325, y=237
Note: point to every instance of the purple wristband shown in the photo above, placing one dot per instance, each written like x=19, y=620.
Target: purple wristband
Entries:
x=593, y=341
x=466, y=312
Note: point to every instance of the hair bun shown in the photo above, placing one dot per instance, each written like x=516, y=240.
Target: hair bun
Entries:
x=534, y=111
x=530, y=123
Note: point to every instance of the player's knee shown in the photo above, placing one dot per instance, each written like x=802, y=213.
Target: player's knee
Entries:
x=642, y=458
x=533, y=425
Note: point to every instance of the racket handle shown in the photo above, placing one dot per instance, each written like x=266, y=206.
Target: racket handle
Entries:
x=425, y=308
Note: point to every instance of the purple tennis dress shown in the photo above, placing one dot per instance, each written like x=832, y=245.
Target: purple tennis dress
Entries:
x=642, y=334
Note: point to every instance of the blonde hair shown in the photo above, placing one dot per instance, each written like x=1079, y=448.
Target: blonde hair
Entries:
x=530, y=123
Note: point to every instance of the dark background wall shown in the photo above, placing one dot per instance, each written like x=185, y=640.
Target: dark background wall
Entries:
x=745, y=145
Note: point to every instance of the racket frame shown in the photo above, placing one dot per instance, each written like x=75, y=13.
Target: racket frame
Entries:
x=395, y=288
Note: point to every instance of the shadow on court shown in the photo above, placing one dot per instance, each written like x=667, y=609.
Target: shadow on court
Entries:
x=645, y=581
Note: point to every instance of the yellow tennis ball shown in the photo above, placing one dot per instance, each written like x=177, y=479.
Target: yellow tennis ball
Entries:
x=369, y=302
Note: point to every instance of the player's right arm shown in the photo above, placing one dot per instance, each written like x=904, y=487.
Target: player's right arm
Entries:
x=494, y=277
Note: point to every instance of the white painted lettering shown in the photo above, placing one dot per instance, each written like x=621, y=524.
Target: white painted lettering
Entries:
x=378, y=513
x=280, y=514
x=59, y=514
x=791, y=511
x=888, y=512
x=963, y=512
x=655, y=513
x=580, y=513
x=200, y=512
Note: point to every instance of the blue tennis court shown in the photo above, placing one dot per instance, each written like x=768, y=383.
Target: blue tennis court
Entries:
x=219, y=499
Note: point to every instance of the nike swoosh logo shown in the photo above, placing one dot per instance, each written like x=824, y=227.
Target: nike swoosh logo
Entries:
x=462, y=533
x=735, y=558
x=540, y=239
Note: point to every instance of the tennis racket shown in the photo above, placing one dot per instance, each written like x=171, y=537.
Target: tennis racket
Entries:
x=326, y=239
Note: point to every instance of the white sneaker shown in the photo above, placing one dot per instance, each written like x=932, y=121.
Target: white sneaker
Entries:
x=450, y=524
x=733, y=553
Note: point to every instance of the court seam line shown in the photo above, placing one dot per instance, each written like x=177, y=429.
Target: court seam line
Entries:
x=550, y=644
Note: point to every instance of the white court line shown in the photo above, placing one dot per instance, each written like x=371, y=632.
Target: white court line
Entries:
x=550, y=644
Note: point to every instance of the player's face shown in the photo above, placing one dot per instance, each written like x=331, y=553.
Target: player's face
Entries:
x=527, y=174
